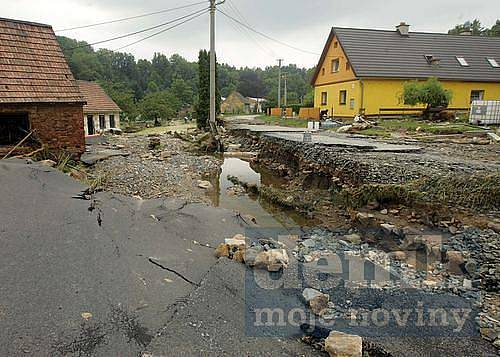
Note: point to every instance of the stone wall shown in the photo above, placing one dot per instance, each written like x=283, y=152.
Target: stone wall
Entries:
x=59, y=125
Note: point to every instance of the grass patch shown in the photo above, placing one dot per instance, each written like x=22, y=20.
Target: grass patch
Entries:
x=474, y=191
x=273, y=120
x=175, y=126
x=283, y=199
x=386, y=127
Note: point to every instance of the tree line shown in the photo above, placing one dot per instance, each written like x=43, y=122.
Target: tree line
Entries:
x=166, y=87
x=476, y=28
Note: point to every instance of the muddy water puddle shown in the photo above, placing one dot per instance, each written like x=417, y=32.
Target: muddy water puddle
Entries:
x=269, y=216
x=230, y=196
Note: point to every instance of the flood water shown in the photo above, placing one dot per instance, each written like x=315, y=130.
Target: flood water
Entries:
x=270, y=217
x=266, y=214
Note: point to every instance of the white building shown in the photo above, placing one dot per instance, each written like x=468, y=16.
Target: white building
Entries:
x=100, y=112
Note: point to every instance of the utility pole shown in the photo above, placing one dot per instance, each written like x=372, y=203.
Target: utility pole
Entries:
x=286, y=94
x=279, y=83
x=213, y=124
x=213, y=79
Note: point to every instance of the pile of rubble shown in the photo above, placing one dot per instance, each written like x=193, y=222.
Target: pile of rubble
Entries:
x=155, y=166
x=265, y=254
x=360, y=123
x=466, y=265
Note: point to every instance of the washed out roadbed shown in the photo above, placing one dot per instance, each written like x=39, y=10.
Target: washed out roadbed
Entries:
x=172, y=169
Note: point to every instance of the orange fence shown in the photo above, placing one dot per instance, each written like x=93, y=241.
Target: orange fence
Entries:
x=309, y=113
x=276, y=112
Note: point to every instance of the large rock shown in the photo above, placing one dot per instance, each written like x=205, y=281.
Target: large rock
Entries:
x=339, y=344
x=318, y=302
x=206, y=185
x=251, y=255
x=365, y=219
x=272, y=260
x=233, y=248
x=455, y=262
x=237, y=242
x=222, y=251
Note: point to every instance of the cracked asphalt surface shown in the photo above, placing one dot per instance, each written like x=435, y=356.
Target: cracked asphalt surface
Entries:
x=130, y=276
x=58, y=263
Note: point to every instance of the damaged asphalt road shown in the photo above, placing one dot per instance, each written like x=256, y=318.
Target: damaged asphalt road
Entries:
x=72, y=286
x=117, y=276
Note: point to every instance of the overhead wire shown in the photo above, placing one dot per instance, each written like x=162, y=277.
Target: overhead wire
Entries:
x=267, y=36
x=131, y=17
x=248, y=34
x=162, y=31
x=201, y=11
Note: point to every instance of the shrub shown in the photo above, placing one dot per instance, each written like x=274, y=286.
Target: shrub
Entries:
x=430, y=93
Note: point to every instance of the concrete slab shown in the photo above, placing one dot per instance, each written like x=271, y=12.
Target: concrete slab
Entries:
x=99, y=154
x=345, y=141
x=267, y=128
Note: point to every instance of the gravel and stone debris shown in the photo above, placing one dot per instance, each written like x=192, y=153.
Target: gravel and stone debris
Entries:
x=157, y=166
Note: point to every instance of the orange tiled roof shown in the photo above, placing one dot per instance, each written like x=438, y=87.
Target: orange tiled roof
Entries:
x=96, y=98
x=32, y=65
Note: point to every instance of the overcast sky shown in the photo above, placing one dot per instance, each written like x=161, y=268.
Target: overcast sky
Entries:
x=304, y=24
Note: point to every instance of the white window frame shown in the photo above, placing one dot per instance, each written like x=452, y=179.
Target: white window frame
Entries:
x=479, y=94
x=493, y=62
x=463, y=62
x=343, y=99
x=324, y=98
x=335, y=68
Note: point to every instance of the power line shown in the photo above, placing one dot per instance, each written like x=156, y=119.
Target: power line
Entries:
x=138, y=32
x=131, y=17
x=268, y=37
x=248, y=34
x=162, y=31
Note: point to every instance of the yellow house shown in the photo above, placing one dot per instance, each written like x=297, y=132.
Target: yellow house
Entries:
x=363, y=71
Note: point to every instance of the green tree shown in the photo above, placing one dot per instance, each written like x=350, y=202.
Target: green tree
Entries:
x=182, y=91
x=203, y=103
x=430, y=93
x=128, y=81
x=156, y=107
x=495, y=29
x=124, y=97
x=474, y=26
x=251, y=84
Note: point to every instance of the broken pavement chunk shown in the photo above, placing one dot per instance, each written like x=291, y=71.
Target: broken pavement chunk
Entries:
x=339, y=344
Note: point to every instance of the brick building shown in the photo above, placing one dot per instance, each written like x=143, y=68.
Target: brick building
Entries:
x=37, y=90
x=100, y=112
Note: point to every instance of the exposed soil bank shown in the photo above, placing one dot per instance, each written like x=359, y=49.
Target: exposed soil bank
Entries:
x=444, y=191
x=354, y=177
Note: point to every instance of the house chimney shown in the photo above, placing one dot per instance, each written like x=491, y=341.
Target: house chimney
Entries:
x=403, y=28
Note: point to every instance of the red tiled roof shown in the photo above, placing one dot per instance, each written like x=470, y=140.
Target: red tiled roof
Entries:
x=33, y=68
x=96, y=98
